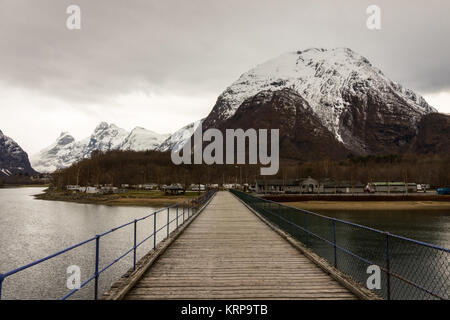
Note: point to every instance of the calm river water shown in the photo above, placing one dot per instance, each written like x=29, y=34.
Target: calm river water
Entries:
x=423, y=265
x=432, y=226
x=31, y=229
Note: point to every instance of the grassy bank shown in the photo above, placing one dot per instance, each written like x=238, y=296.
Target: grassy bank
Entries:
x=130, y=198
x=370, y=205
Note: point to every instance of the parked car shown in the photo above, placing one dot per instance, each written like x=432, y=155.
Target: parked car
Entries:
x=443, y=191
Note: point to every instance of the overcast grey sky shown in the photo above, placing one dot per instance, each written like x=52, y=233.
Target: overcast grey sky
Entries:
x=162, y=64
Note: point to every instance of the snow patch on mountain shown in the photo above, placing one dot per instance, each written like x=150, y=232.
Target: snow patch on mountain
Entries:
x=177, y=140
x=140, y=139
x=106, y=137
x=6, y=172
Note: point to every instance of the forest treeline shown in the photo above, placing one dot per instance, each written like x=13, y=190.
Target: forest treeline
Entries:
x=130, y=167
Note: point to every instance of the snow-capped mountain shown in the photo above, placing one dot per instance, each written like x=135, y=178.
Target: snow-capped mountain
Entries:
x=65, y=150
x=60, y=154
x=177, y=140
x=13, y=160
x=351, y=98
x=140, y=139
x=105, y=137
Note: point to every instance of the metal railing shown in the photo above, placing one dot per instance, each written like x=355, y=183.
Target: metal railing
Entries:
x=409, y=269
x=184, y=211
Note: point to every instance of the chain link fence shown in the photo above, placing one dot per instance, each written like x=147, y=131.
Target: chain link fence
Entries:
x=409, y=269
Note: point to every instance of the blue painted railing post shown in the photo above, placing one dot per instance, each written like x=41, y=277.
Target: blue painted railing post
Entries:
x=334, y=242
x=97, y=254
x=388, y=268
x=154, y=230
x=168, y=221
x=194, y=205
x=1, y=284
x=307, y=229
x=134, y=247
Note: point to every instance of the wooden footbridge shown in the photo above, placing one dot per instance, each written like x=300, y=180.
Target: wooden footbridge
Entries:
x=232, y=245
x=229, y=252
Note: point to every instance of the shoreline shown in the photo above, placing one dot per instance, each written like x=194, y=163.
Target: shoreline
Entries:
x=12, y=186
x=142, y=199
x=367, y=198
x=371, y=205
x=159, y=199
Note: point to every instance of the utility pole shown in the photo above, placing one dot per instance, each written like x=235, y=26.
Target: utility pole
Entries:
x=406, y=182
x=78, y=176
x=240, y=174
x=389, y=184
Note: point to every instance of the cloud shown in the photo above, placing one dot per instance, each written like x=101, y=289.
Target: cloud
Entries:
x=441, y=99
x=192, y=50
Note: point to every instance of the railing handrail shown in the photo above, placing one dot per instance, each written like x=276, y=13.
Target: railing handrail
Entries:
x=358, y=225
x=359, y=257
x=199, y=199
x=268, y=209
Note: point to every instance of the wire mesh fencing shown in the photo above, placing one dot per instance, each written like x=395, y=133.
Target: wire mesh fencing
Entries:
x=408, y=269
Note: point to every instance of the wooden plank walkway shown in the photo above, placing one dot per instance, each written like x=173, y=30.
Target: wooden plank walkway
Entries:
x=229, y=253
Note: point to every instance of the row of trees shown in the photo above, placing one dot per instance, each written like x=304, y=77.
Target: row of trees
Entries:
x=433, y=170
x=129, y=167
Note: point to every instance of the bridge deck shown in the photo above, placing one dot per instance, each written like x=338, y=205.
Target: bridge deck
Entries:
x=229, y=253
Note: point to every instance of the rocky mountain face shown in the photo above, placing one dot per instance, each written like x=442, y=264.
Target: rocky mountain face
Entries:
x=433, y=135
x=362, y=109
x=13, y=160
x=66, y=151
x=302, y=135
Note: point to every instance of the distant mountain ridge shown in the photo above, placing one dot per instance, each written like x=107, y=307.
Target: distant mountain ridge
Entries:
x=65, y=150
x=13, y=159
